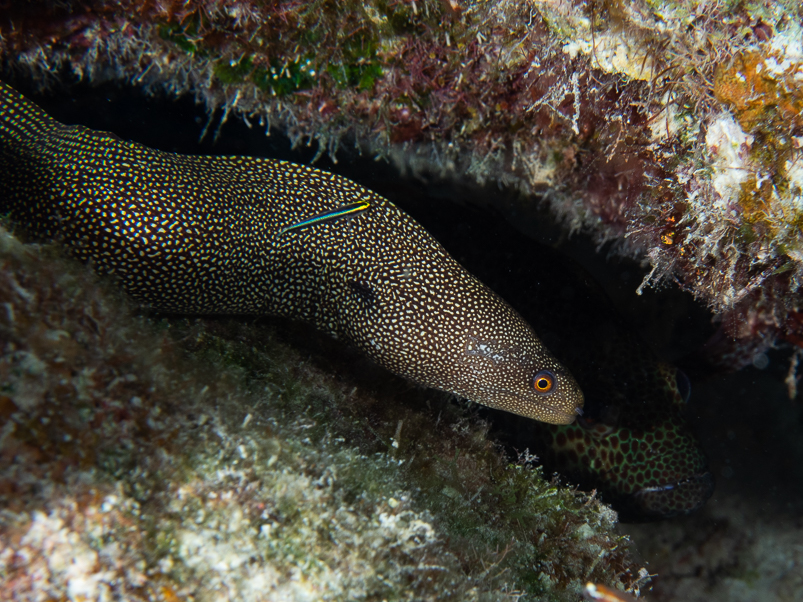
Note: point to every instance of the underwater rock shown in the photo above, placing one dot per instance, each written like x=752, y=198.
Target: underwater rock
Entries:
x=673, y=129
x=208, y=460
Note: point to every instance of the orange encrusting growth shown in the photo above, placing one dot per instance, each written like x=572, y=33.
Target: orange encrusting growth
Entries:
x=758, y=96
x=595, y=591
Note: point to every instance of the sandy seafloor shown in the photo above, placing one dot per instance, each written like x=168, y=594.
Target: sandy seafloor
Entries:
x=747, y=543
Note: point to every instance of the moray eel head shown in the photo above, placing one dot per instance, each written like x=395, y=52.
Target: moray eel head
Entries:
x=522, y=378
x=474, y=345
x=548, y=395
x=672, y=499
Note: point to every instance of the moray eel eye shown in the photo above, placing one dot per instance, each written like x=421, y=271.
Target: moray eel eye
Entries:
x=544, y=381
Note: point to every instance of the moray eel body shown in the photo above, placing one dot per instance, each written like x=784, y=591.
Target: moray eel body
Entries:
x=632, y=443
x=240, y=235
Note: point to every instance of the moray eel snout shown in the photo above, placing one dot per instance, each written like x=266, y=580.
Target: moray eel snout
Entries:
x=550, y=391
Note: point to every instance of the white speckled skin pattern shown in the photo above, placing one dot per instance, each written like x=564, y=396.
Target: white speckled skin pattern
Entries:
x=207, y=235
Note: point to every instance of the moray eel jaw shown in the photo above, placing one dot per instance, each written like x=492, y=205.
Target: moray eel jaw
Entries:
x=673, y=499
x=552, y=415
x=543, y=412
x=562, y=407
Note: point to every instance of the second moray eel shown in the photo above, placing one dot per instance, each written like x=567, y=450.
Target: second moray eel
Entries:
x=241, y=235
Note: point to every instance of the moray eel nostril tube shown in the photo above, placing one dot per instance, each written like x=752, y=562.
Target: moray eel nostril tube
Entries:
x=240, y=235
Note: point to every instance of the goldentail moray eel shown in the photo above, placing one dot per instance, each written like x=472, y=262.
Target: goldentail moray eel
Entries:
x=243, y=235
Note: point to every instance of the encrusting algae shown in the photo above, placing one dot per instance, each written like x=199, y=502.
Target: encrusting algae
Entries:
x=206, y=460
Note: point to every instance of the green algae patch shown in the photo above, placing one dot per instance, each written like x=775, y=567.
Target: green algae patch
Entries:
x=235, y=71
x=172, y=32
x=283, y=79
x=220, y=459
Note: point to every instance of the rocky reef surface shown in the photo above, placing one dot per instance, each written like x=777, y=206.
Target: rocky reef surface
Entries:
x=208, y=460
x=671, y=128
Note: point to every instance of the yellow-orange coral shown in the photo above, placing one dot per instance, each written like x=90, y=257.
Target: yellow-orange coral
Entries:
x=765, y=96
x=758, y=95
